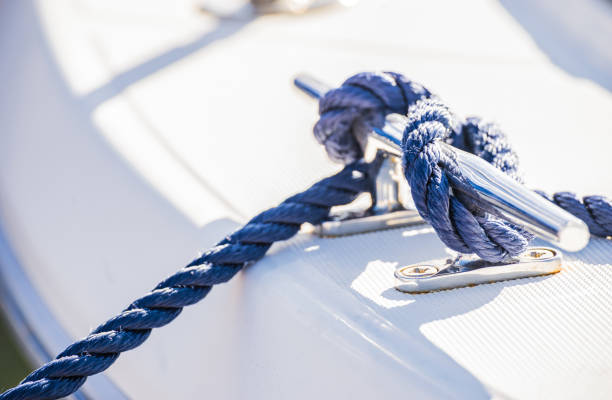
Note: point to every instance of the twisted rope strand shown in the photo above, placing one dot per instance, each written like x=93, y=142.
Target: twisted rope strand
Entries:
x=595, y=211
x=101, y=348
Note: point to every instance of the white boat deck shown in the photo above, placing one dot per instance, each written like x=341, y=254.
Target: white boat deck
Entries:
x=134, y=135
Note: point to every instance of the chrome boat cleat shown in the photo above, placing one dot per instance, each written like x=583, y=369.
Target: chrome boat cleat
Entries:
x=351, y=223
x=471, y=270
x=390, y=207
x=492, y=187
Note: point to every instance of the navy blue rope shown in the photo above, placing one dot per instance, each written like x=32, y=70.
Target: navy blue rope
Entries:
x=349, y=112
x=361, y=103
x=128, y=330
x=595, y=211
x=460, y=223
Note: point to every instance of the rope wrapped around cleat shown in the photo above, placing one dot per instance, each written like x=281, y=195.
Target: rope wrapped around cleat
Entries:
x=347, y=115
x=361, y=104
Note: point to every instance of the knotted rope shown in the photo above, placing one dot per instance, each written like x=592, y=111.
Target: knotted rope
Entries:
x=461, y=223
x=128, y=330
x=361, y=103
x=349, y=112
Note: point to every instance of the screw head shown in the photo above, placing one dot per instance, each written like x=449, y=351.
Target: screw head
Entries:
x=539, y=253
x=416, y=271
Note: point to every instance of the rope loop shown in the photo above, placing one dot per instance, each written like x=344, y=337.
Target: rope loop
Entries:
x=436, y=184
x=349, y=112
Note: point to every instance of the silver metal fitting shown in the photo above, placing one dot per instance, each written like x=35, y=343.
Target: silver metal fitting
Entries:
x=471, y=270
x=391, y=205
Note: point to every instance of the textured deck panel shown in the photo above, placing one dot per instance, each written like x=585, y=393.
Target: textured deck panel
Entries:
x=527, y=338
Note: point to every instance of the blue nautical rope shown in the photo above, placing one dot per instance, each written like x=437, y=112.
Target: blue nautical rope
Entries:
x=349, y=112
x=129, y=329
x=595, y=211
x=361, y=104
x=461, y=223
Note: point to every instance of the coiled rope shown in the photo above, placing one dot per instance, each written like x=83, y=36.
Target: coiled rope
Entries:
x=347, y=115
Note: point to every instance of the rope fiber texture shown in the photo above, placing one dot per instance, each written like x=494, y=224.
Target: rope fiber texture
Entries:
x=437, y=185
x=128, y=330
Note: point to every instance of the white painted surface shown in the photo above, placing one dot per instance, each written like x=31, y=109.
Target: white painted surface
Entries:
x=136, y=134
